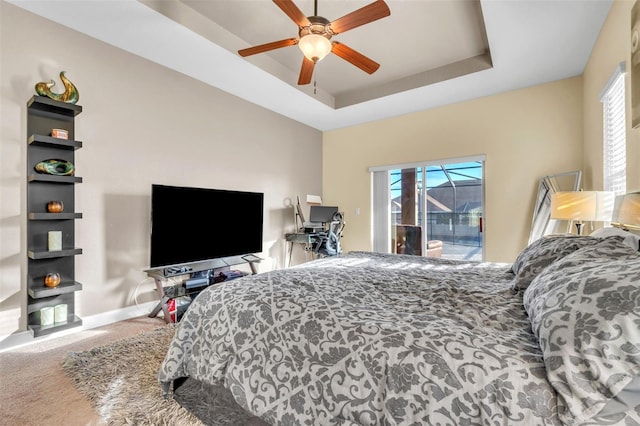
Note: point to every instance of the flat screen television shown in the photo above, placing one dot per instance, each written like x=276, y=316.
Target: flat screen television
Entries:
x=195, y=224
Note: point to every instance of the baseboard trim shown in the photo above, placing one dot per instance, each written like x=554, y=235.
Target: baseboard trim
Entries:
x=24, y=338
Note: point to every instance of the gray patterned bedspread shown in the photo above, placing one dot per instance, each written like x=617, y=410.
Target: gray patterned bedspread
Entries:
x=369, y=339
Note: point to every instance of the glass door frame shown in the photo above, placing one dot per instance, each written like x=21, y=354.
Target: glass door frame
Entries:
x=382, y=243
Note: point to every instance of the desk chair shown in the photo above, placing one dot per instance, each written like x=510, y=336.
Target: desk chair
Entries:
x=329, y=245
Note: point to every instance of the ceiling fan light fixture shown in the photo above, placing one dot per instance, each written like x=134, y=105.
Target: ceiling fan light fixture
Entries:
x=315, y=46
x=314, y=36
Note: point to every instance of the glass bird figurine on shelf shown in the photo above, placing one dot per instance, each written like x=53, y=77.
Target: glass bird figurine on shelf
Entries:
x=70, y=94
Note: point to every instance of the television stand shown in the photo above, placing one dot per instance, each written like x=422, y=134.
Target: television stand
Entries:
x=252, y=260
x=193, y=285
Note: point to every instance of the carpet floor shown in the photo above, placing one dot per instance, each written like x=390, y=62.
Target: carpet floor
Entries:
x=102, y=368
x=35, y=391
x=120, y=381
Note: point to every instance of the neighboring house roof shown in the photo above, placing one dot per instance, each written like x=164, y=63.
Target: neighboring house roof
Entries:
x=467, y=196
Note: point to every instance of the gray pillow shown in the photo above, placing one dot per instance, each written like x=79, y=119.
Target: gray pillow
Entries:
x=632, y=240
x=585, y=311
x=542, y=253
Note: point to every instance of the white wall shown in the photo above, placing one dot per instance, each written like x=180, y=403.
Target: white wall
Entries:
x=141, y=124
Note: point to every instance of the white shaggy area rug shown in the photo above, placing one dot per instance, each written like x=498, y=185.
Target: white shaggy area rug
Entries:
x=120, y=380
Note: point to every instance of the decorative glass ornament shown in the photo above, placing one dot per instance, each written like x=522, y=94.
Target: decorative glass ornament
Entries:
x=55, y=167
x=52, y=279
x=55, y=206
x=70, y=94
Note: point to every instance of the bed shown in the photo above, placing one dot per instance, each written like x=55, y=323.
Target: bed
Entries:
x=379, y=339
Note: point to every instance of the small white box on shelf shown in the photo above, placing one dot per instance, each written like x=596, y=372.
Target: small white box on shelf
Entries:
x=59, y=133
x=47, y=316
x=55, y=240
x=60, y=313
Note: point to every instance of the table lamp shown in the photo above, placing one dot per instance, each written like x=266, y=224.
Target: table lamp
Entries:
x=626, y=211
x=582, y=205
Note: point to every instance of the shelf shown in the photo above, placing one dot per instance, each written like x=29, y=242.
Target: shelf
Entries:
x=54, y=179
x=34, y=305
x=54, y=216
x=52, y=254
x=72, y=321
x=42, y=140
x=43, y=103
x=43, y=115
x=63, y=288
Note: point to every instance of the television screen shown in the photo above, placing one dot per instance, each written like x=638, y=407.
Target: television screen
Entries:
x=196, y=224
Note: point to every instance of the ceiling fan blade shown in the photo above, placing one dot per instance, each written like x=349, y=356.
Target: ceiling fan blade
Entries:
x=267, y=47
x=372, y=12
x=356, y=58
x=306, y=71
x=293, y=12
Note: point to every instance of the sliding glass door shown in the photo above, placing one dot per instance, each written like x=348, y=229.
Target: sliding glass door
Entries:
x=435, y=209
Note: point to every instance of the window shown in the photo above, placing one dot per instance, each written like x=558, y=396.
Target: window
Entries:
x=614, y=135
x=429, y=208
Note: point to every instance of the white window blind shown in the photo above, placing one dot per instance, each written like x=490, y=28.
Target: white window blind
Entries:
x=381, y=212
x=614, y=135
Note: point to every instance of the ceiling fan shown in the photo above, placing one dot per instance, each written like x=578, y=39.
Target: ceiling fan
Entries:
x=315, y=32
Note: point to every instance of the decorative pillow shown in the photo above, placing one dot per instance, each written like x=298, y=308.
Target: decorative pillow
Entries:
x=632, y=240
x=585, y=311
x=542, y=253
x=602, y=250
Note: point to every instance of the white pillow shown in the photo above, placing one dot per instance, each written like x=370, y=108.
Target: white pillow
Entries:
x=630, y=239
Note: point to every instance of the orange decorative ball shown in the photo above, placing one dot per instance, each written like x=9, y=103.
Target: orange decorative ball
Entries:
x=52, y=279
x=55, y=207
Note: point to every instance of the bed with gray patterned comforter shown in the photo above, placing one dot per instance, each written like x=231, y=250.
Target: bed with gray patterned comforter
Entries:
x=378, y=339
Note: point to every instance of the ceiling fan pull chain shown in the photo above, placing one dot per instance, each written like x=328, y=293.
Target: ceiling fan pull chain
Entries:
x=314, y=87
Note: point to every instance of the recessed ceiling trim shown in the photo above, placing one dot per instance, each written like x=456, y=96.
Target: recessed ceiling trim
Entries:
x=183, y=14
x=415, y=39
x=446, y=72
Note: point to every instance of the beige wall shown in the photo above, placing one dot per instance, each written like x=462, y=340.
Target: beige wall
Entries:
x=141, y=124
x=525, y=134
x=613, y=46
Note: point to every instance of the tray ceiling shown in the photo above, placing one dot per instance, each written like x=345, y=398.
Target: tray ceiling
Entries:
x=431, y=52
x=421, y=42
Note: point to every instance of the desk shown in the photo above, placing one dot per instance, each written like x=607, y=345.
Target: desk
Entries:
x=310, y=240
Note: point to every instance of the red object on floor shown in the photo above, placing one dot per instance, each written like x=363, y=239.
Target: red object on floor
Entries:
x=171, y=304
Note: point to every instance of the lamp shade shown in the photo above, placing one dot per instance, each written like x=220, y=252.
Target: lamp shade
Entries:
x=582, y=205
x=315, y=46
x=626, y=212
